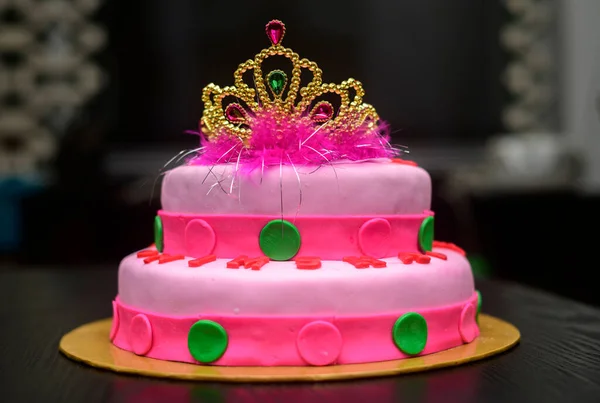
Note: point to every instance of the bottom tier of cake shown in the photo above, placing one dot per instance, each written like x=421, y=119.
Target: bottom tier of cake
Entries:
x=281, y=315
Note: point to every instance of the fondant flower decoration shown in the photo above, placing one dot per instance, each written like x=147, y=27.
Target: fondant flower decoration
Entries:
x=278, y=121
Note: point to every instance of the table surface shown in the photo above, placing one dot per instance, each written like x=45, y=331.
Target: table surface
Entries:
x=557, y=360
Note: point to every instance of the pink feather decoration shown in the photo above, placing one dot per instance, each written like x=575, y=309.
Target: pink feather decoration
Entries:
x=299, y=142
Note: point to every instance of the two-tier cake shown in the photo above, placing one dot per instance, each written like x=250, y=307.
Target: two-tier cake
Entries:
x=293, y=236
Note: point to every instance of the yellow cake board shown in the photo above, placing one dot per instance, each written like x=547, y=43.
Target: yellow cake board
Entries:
x=90, y=344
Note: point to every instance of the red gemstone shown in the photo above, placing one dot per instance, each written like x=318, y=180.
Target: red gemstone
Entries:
x=235, y=113
x=275, y=30
x=322, y=112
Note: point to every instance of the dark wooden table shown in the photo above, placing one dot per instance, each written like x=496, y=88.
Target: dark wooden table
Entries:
x=558, y=359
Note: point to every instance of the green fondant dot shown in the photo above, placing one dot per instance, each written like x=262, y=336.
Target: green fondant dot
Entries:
x=410, y=333
x=478, y=304
x=158, y=234
x=279, y=240
x=207, y=341
x=426, y=234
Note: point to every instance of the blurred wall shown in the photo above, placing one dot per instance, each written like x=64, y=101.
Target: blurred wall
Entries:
x=580, y=87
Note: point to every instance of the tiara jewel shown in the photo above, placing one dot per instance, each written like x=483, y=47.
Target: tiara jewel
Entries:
x=280, y=115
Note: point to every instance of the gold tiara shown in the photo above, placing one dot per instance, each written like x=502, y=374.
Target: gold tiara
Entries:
x=282, y=99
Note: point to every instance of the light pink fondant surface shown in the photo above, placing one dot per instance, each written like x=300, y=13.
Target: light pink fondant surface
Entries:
x=279, y=288
x=365, y=188
x=259, y=340
x=334, y=237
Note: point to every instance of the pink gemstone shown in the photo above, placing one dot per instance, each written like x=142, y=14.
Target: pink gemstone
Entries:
x=322, y=112
x=275, y=30
x=235, y=113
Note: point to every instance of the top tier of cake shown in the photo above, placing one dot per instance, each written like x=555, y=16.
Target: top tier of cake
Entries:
x=374, y=188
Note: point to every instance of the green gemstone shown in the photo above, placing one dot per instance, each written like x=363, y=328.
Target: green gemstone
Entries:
x=410, y=333
x=277, y=81
x=158, y=234
x=279, y=240
x=207, y=341
x=426, y=234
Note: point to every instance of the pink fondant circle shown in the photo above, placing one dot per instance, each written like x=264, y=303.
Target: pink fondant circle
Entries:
x=140, y=334
x=319, y=343
x=199, y=238
x=467, y=326
x=374, y=237
x=115, y=322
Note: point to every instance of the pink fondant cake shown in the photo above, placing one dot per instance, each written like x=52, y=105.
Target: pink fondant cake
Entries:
x=293, y=236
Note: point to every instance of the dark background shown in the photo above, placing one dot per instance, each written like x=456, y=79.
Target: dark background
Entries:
x=415, y=58
x=432, y=68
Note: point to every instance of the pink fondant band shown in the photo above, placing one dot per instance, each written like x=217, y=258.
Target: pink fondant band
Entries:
x=293, y=340
x=330, y=238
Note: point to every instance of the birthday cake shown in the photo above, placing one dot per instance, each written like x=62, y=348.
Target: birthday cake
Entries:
x=294, y=235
